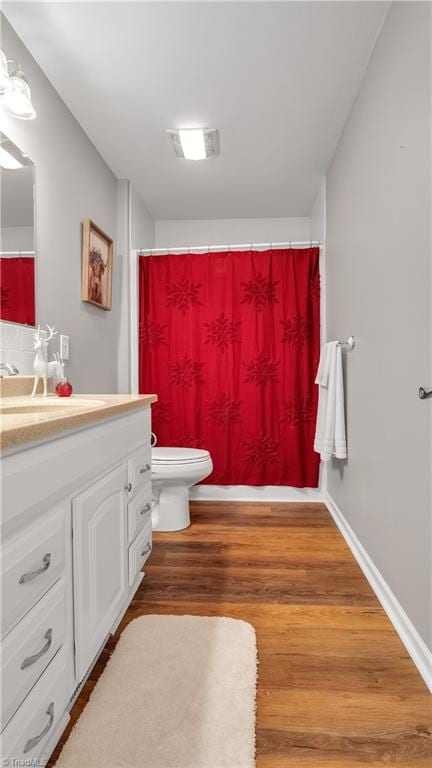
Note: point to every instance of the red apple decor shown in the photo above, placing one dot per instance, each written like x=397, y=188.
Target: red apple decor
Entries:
x=64, y=389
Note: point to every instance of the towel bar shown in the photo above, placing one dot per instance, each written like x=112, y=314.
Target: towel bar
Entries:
x=350, y=342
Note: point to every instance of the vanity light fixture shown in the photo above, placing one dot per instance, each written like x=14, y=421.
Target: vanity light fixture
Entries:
x=8, y=161
x=15, y=92
x=195, y=143
x=5, y=82
x=19, y=101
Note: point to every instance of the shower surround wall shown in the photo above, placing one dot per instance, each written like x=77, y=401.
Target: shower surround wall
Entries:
x=379, y=287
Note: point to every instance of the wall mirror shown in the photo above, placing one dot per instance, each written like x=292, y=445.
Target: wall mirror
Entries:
x=17, y=235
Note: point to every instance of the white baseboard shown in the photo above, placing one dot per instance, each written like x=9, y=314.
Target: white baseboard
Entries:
x=414, y=644
x=254, y=493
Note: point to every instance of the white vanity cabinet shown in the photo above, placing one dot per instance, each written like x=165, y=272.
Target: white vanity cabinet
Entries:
x=76, y=531
x=100, y=559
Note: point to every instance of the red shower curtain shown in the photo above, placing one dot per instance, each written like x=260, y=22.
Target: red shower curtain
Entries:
x=230, y=343
x=17, y=290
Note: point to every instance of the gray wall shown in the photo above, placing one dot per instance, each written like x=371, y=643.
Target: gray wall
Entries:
x=72, y=183
x=135, y=229
x=378, y=288
x=142, y=226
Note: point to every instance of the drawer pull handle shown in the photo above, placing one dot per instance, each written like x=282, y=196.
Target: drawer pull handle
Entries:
x=32, y=575
x=147, y=549
x=146, y=468
x=128, y=487
x=32, y=659
x=36, y=739
x=147, y=508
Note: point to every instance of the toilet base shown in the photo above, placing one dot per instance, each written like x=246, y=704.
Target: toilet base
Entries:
x=170, y=510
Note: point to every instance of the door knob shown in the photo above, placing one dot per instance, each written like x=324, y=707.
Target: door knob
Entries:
x=424, y=393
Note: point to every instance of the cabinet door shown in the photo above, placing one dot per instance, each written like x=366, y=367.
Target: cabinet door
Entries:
x=100, y=562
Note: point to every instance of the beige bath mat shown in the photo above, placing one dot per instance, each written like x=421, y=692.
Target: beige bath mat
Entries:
x=178, y=692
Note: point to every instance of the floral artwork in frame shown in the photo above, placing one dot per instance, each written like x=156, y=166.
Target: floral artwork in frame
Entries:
x=97, y=257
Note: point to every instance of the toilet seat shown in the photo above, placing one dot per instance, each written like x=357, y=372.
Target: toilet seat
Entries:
x=171, y=457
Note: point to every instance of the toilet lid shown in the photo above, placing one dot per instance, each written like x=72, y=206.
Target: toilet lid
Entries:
x=179, y=456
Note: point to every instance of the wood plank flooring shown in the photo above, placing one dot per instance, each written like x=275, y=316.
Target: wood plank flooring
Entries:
x=336, y=686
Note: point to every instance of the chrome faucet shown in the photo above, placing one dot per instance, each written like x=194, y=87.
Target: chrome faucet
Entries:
x=11, y=369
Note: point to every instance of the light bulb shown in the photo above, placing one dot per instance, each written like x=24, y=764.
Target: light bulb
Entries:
x=5, y=82
x=18, y=100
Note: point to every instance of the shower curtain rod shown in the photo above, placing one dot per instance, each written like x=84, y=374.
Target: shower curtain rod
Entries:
x=230, y=247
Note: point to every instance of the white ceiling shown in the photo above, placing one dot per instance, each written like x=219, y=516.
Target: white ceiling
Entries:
x=277, y=78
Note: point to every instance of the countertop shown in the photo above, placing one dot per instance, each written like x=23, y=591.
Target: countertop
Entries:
x=26, y=420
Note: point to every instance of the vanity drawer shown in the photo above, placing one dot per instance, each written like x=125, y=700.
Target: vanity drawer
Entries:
x=30, y=646
x=32, y=562
x=25, y=736
x=139, y=469
x=139, y=511
x=139, y=552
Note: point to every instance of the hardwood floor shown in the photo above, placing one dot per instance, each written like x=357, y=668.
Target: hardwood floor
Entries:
x=336, y=687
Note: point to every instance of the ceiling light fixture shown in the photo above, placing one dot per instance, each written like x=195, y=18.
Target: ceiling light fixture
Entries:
x=15, y=92
x=195, y=143
x=9, y=162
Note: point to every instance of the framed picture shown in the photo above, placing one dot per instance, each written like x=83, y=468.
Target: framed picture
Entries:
x=96, y=266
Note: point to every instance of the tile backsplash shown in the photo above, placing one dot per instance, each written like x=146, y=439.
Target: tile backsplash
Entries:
x=16, y=346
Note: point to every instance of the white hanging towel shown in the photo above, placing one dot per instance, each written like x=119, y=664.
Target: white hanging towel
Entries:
x=330, y=435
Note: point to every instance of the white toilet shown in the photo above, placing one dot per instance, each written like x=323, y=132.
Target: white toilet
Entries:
x=174, y=471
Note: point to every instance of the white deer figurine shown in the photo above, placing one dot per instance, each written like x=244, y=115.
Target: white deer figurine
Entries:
x=42, y=368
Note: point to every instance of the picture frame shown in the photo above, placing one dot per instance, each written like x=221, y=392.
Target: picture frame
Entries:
x=97, y=256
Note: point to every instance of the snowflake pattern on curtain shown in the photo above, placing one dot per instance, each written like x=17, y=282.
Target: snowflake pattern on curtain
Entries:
x=262, y=370
x=260, y=291
x=152, y=334
x=222, y=332
x=161, y=412
x=261, y=448
x=224, y=410
x=298, y=330
x=183, y=294
x=187, y=372
x=186, y=440
x=299, y=411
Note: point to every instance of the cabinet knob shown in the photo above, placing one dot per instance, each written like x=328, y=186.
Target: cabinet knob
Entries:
x=147, y=508
x=146, y=468
x=128, y=487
